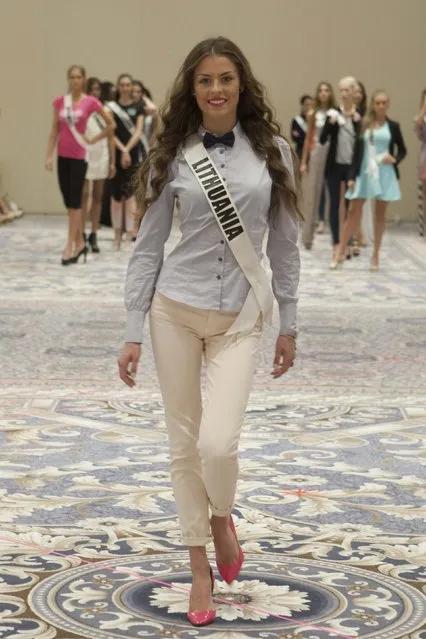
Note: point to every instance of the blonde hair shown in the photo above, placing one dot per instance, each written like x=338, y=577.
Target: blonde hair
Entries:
x=347, y=81
x=370, y=116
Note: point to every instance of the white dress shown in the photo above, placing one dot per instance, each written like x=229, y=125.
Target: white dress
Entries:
x=98, y=154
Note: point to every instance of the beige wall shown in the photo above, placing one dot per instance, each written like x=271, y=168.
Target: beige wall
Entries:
x=291, y=43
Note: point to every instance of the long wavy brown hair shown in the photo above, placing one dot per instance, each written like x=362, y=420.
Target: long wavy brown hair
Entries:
x=181, y=117
x=331, y=99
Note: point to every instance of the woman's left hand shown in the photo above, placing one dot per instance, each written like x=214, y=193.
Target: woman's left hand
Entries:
x=388, y=159
x=285, y=354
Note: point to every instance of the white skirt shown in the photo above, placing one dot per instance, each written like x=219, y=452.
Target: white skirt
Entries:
x=98, y=154
x=98, y=169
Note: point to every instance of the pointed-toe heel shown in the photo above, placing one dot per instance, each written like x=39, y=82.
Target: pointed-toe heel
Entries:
x=205, y=617
x=229, y=572
x=202, y=618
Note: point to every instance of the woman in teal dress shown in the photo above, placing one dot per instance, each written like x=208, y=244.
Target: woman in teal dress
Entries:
x=374, y=173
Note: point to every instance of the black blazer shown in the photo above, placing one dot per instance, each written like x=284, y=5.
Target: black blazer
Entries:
x=331, y=132
x=397, y=148
x=298, y=135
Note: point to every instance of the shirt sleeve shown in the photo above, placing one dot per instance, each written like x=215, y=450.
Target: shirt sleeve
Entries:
x=146, y=262
x=95, y=105
x=283, y=254
x=57, y=103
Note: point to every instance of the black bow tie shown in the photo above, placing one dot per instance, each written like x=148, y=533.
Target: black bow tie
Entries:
x=210, y=140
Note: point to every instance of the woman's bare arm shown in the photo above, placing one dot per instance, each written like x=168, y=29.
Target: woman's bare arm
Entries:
x=53, y=140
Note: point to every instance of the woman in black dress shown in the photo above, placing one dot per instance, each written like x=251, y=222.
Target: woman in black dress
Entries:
x=129, y=120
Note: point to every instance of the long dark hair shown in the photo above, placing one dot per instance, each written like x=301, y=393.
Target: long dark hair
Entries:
x=91, y=82
x=182, y=117
x=145, y=92
x=362, y=107
x=106, y=89
x=139, y=84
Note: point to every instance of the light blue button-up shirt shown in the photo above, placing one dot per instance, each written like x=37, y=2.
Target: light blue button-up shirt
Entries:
x=201, y=271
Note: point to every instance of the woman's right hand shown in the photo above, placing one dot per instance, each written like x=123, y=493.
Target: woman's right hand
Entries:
x=49, y=164
x=351, y=185
x=128, y=362
x=126, y=160
x=303, y=168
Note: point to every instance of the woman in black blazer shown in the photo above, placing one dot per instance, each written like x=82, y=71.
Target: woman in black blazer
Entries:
x=374, y=172
x=341, y=128
x=299, y=125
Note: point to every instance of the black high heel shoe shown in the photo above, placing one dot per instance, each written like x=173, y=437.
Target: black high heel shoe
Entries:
x=93, y=243
x=84, y=252
x=66, y=261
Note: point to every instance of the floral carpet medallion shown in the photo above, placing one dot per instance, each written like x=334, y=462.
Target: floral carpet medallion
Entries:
x=331, y=501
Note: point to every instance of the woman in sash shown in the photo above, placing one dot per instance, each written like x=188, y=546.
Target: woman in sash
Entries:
x=101, y=164
x=141, y=95
x=129, y=118
x=299, y=125
x=312, y=164
x=340, y=131
x=221, y=159
x=70, y=116
x=374, y=172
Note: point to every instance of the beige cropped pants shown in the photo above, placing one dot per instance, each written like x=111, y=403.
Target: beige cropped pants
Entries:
x=204, y=438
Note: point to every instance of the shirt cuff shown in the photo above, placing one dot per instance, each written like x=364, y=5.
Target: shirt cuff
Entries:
x=134, y=326
x=288, y=314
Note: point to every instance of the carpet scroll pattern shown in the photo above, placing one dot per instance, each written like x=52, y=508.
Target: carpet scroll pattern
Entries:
x=331, y=503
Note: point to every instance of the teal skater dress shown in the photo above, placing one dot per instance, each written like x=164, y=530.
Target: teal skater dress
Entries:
x=376, y=181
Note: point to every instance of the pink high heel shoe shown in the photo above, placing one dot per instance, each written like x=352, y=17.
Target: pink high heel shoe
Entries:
x=204, y=617
x=229, y=572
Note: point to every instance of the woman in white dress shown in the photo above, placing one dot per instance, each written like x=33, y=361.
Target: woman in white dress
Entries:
x=312, y=162
x=101, y=165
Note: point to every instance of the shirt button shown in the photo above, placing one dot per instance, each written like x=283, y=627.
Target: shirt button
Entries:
x=218, y=277
x=220, y=259
x=222, y=241
x=222, y=166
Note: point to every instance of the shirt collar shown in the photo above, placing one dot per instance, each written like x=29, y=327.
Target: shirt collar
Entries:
x=238, y=131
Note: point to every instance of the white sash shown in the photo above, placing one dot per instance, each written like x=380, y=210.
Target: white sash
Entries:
x=301, y=122
x=374, y=159
x=128, y=123
x=69, y=116
x=99, y=121
x=260, y=298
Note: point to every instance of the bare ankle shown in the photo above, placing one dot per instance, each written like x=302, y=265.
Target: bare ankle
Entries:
x=219, y=525
x=199, y=560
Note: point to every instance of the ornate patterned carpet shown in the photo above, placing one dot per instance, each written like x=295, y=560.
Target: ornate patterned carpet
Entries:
x=331, y=501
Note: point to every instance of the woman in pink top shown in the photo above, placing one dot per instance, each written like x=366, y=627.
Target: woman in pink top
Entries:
x=67, y=136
